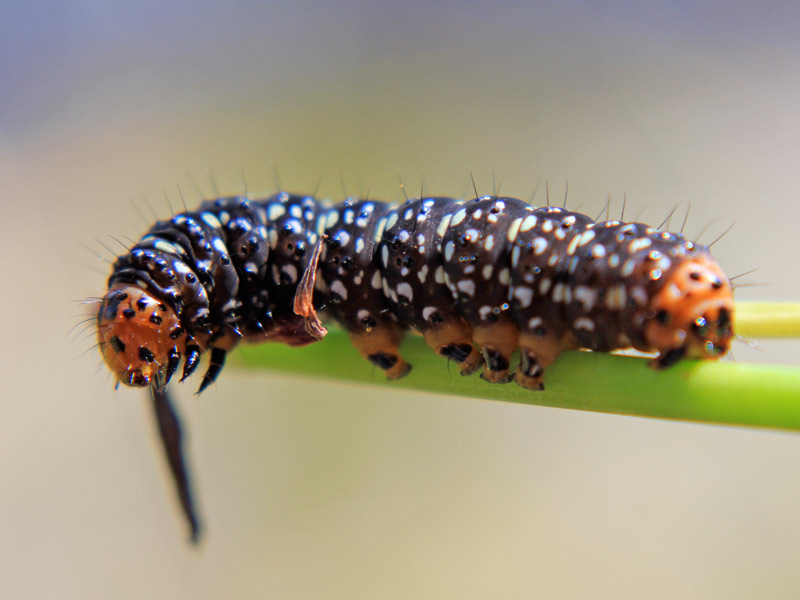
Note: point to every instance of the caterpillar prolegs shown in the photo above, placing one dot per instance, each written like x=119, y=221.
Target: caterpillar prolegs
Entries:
x=479, y=279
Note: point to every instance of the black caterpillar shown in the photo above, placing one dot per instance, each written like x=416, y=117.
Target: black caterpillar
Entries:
x=479, y=279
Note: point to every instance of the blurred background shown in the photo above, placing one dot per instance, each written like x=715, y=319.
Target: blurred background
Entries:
x=319, y=490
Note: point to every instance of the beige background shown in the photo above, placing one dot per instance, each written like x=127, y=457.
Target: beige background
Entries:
x=319, y=490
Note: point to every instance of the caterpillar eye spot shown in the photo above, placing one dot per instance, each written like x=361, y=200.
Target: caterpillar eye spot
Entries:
x=128, y=313
x=662, y=316
x=695, y=275
x=145, y=354
x=155, y=319
x=117, y=345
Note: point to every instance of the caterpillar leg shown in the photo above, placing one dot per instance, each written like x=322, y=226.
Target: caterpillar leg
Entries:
x=453, y=340
x=536, y=354
x=496, y=341
x=219, y=351
x=380, y=347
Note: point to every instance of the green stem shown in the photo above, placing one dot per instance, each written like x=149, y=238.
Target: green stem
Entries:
x=706, y=391
x=768, y=319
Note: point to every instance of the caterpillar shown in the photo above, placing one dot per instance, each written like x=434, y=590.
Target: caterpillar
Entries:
x=479, y=279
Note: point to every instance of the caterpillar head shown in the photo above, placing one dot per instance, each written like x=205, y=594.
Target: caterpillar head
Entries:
x=138, y=336
x=693, y=313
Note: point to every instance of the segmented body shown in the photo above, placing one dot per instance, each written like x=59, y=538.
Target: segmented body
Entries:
x=479, y=279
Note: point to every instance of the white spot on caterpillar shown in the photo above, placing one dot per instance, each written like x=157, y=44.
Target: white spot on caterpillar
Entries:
x=385, y=256
x=639, y=244
x=504, y=276
x=359, y=245
x=441, y=228
x=296, y=211
x=348, y=215
x=488, y=244
x=552, y=260
x=584, y=323
x=524, y=294
x=528, y=223
x=427, y=312
x=477, y=214
x=627, y=268
x=467, y=286
x=586, y=296
x=547, y=226
x=539, y=246
x=514, y=256
x=534, y=322
x=438, y=275
x=616, y=297
x=598, y=251
x=337, y=287
x=663, y=263
x=408, y=214
x=613, y=261
x=487, y=271
x=639, y=295
x=343, y=238
x=385, y=286
x=362, y=314
x=459, y=216
x=331, y=218
x=422, y=274
x=544, y=285
x=219, y=245
x=404, y=289
x=560, y=233
x=469, y=269
x=573, y=245
x=376, y=280
x=404, y=272
x=562, y=293
x=275, y=211
x=449, y=249
x=169, y=248
x=513, y=229
x=391, y=220
x=586, y=237
x=379, y=229
x=291, y=271
x=211, y=220
x=420, y=238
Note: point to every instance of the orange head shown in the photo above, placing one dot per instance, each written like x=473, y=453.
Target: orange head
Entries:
x=692, y=313
x=139, y=336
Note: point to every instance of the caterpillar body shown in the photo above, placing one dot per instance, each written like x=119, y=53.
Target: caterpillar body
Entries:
x=479, y=279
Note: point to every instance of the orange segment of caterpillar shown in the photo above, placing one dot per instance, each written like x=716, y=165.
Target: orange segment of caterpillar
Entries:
x=140, y=337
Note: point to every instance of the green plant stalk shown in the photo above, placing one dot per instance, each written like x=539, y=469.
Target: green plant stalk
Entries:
x=705, y=391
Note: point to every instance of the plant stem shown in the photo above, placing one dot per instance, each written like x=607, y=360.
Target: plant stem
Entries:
x=705, y=391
